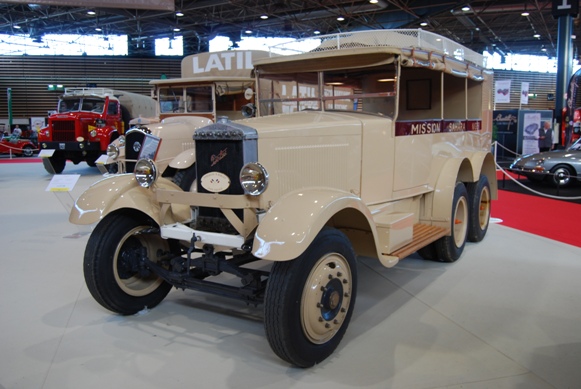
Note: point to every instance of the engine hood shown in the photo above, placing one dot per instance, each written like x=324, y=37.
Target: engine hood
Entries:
x=308, y=123
x=74, y=116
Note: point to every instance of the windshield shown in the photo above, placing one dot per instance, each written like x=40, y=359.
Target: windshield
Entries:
x=86, y=104
x=576, y=146
x=193, y=99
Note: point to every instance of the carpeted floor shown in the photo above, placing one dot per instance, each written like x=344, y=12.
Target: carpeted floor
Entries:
x=555, y=219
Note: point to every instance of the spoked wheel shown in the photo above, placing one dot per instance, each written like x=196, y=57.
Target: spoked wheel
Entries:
x=114, y=266
x=479, y=213
x=309, y=301
x=27, y=151
x=449, y=248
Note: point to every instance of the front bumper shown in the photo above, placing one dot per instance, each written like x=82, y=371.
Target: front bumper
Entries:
x=535, y=172
x=71, y=146
x=180, y=231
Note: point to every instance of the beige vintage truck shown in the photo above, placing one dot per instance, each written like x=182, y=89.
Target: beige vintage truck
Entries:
x=375, y=144
x=213, y=86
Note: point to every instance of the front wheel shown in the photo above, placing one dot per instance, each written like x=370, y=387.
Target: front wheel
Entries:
x=27, y=151
x=54, y=165
x=561, y=176
x=114, y=265
x=309, y=301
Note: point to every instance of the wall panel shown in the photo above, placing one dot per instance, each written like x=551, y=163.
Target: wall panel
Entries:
x=29, y=76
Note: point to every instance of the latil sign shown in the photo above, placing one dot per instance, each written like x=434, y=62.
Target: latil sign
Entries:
x=224, y=61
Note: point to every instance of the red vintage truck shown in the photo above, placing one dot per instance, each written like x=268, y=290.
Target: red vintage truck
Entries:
x=86, y=122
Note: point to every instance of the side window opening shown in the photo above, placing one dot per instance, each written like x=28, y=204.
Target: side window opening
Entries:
x=112, y=108
x=286, y=93
x=170, y=100
x=370, y=90
x=199, y=99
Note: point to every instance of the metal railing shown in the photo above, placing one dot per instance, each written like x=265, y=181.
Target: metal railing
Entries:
x=507, y=174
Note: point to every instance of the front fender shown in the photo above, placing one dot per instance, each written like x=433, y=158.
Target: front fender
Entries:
x=123, y=191
x=184, y=160
x=290, y=226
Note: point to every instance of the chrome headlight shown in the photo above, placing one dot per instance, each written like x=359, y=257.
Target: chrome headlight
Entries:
x=253, y=178
x=145, y=172
x=93, y=133
x=112, y=151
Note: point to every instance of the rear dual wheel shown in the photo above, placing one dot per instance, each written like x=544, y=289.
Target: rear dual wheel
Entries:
x=449, y=248
x=480, y=205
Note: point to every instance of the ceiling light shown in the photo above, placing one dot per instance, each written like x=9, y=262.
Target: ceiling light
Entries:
x=525, y=14
x=537, y=36
x=263, y=17
x=543, y=49
x=316, y=32
x=179, y=13
x=98, y=29
x=374, y=1
x=386, y=80
x=248, y=32
x=340, y=18
x=17, y=26
x=423, y=24
x=91, y=13
x=465, y=8
x=176, y=29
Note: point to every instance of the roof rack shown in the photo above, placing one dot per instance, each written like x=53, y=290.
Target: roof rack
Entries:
x=99, y=92
x=398, y=38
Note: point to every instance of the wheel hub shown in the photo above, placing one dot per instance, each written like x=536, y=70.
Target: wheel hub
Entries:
x=331, y=299
x=326, y=298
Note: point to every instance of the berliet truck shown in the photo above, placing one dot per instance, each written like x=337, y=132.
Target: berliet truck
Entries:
x=86, y=121
x=373, y=144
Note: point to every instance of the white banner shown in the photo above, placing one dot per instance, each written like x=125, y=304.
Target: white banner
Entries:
x=524, y=93
x=502, y=91
x=531, y=125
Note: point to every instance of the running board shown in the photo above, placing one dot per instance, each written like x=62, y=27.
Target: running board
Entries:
x=423, y=235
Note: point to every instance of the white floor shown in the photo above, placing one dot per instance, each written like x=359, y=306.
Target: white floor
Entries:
x=506, y=315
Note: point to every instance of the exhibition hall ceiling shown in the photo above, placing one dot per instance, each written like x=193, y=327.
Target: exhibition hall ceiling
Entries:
x=485, y=24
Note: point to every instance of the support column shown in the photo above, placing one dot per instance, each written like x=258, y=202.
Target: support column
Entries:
x=564, y=11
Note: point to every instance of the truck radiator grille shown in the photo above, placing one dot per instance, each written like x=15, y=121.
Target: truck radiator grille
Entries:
x=223, y=148
x=133, y=142
x=63, y=131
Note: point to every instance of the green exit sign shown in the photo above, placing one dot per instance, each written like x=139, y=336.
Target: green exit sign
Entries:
x=55, y=87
